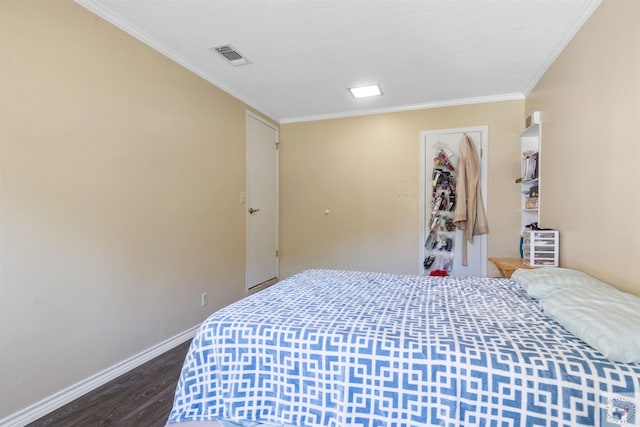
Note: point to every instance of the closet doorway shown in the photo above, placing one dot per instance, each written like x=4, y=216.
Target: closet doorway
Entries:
x=430, y=144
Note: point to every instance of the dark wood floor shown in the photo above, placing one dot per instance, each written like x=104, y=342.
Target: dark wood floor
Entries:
x=140, y=398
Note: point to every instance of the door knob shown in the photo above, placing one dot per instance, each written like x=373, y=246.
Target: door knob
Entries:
x=252, y=211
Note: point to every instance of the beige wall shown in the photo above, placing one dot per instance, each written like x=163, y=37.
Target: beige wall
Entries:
x=121, y=173
x=590, y=104
x=360, y=170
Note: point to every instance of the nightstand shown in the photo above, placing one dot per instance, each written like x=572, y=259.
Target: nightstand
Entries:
x=506, y=266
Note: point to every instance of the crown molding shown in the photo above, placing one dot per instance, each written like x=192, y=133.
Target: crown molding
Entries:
x=145, y=38
x=586, y=14
x=401, y=108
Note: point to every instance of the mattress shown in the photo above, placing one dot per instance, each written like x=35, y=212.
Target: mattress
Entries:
x=344, y=348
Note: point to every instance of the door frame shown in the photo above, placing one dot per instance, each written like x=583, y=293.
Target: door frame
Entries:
x=245, y=197
x=422, y=199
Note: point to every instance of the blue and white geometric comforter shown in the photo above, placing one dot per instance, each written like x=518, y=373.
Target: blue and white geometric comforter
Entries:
x=339, y=348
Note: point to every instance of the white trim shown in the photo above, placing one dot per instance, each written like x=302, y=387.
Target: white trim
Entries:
x=422, y=203
x=484, y=178
x=69, y=394
x=586, y=14
x=264, y=121
x=106, y=14
x=412, y=107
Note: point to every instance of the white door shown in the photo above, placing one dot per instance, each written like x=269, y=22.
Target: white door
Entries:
x=261, y=201
x=430, y=144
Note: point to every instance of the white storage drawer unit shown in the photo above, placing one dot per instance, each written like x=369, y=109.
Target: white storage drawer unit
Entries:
x=540, y=248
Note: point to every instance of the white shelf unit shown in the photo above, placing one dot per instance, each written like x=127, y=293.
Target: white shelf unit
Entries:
x=540, y=248
x=530, y=175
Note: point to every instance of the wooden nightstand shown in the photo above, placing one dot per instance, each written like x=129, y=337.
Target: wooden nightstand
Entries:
x=507, y=266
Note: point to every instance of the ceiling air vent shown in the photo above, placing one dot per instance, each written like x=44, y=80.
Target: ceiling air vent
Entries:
x=229, y=53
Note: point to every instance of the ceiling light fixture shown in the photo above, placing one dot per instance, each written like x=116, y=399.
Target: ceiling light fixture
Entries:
x=365, y=91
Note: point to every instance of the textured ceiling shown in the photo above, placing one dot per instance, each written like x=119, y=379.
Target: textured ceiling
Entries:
x=305, y=54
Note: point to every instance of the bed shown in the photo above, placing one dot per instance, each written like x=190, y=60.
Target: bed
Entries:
x=345, y=348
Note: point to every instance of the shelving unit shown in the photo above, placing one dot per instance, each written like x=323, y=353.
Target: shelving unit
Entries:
x=539, y=246
x=529, y=175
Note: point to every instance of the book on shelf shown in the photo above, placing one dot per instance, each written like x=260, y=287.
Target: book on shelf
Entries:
x=530, y=166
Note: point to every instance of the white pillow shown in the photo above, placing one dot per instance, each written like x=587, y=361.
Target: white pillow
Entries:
x=602, y=316
x=540, y=282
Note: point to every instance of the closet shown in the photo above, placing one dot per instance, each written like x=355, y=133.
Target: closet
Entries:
x=440, y=243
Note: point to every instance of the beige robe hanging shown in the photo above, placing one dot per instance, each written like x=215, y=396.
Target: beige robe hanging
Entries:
x=469, y=215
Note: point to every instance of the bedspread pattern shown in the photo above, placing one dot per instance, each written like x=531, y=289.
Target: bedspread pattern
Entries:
x=338, y=348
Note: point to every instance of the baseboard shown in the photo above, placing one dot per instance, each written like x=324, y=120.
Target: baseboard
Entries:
x=61, y=398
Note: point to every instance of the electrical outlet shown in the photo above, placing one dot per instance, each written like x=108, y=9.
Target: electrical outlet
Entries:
x=204, y=299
